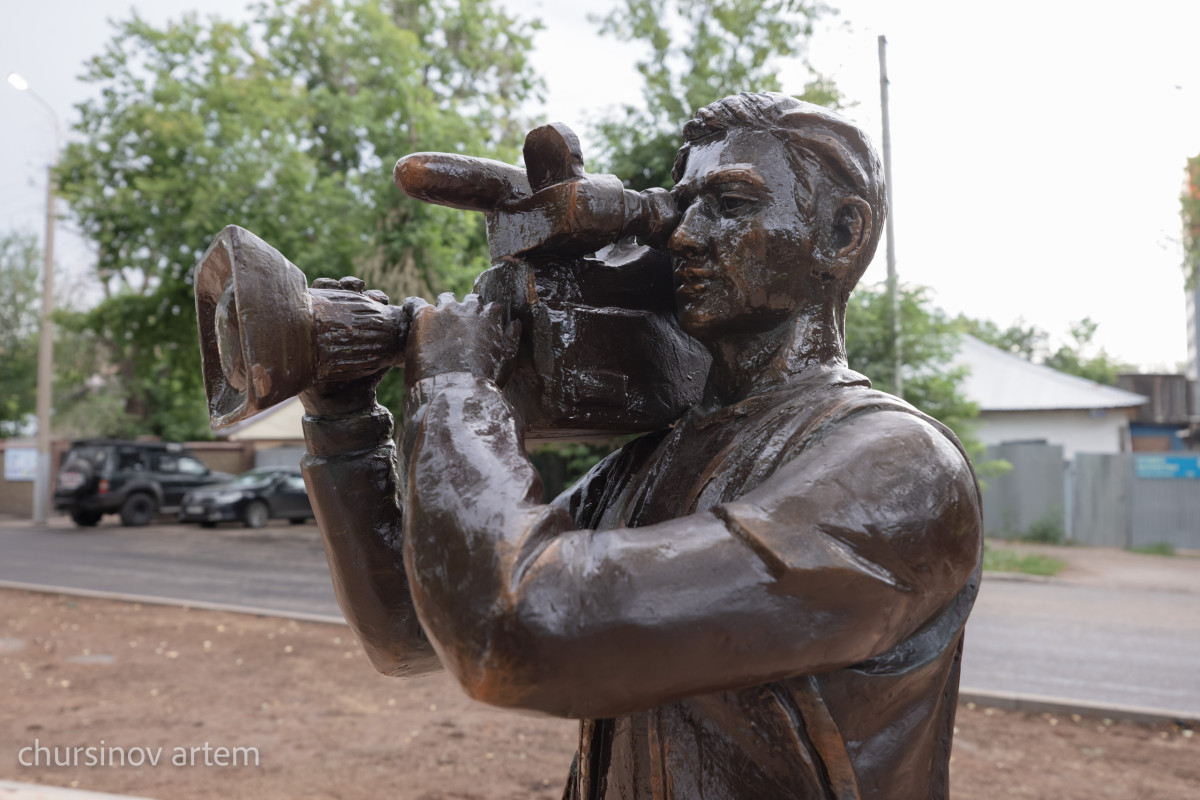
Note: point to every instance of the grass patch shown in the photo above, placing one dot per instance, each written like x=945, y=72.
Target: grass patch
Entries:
x=1156, y=549
x=1007, y=560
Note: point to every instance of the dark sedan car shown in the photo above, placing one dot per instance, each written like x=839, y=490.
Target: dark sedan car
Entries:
x=251, y=498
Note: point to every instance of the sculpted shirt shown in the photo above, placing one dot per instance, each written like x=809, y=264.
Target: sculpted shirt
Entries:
x=766, y=601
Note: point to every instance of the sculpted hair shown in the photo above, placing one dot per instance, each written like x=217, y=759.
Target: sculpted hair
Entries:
x=809, y=131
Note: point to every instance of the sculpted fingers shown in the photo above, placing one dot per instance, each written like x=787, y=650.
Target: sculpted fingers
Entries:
x=352, y=284
x=465, y=336
x=413, y=306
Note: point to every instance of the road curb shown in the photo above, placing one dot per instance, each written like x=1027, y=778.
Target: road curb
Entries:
x=11, y=790
x=1042, y=704
x=1021, y=577
x=1009, y=701
x=326, y=619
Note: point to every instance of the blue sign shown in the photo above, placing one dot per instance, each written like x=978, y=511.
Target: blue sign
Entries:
x=20, y=463
x=1168, y=467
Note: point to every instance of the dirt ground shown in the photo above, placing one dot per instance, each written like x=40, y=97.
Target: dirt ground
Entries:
x=79, y=673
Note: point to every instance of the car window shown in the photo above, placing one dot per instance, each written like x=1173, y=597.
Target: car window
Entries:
x=295, y=483
x=253, y=479
x=92, y=455
x=191, y=466
x=130, y=460
x=165, y=462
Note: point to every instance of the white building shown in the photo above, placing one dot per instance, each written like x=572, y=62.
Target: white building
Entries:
x=277, y=434
x=1020, y=401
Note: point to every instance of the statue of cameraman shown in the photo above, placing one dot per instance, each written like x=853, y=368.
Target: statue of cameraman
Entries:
x=765, y=599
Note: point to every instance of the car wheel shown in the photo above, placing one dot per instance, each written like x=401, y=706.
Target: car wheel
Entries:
x=85, y=519
x=298, y=520
x=208, y=524
x=256, y=514
x=138, y=510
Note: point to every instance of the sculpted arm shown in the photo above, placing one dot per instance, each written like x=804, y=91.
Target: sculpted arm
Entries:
x=350, y=469
x=844, y=552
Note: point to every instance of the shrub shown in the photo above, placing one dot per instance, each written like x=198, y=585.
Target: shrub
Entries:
x=1047, y=529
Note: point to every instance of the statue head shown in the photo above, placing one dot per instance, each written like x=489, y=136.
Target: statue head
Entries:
x=782, y=206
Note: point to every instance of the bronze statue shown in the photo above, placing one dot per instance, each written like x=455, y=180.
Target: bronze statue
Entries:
x=764, y=597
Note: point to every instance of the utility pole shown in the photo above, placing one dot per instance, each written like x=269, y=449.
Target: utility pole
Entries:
x=45, y=373
x=892, y=279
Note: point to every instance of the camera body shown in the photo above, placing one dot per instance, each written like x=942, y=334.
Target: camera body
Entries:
x=601, y=353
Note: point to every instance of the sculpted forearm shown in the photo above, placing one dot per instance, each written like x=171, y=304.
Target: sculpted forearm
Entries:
x=472, y=507
x=350, y=471
x=789, y=580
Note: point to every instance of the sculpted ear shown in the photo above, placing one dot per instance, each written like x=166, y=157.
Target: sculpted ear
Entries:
x=852, y=223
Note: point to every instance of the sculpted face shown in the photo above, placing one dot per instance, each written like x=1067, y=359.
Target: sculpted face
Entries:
x=749, y=236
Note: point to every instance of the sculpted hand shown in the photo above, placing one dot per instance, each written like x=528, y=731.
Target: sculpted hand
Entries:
x=335, y=398
x=460, y=337
x=553, y=207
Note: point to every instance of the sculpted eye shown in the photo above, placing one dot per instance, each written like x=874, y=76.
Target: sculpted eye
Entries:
x=732, y=203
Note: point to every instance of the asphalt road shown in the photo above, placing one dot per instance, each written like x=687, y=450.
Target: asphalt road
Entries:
x=280, y=567
x=1125, y=646
x=1132, y=647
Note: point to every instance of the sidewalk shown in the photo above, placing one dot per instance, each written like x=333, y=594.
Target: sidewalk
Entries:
x=1111, y=568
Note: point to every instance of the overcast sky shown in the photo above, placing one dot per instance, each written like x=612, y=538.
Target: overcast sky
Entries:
x=1038, y=147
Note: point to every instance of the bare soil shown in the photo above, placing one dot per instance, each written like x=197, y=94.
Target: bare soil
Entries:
x=78, y=673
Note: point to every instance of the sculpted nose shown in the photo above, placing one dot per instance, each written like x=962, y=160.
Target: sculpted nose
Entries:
x=691, y=235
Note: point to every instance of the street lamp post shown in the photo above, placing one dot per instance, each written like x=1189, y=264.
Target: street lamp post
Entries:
x=45, y=373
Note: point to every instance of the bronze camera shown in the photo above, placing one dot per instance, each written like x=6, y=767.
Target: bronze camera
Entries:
x=601, y=353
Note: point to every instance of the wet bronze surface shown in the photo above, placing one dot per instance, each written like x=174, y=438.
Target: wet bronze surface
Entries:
x=763, y=597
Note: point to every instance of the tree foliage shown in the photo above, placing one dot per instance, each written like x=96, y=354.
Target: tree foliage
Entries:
x=1080, y=357
x=287, y=125
x=1190, y=203
x=1077, y=357
x=698, y=51
x=928, y=342
x=20, y=305
x=1019, y=339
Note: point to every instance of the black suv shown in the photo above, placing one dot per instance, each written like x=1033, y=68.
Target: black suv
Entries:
x=134, y=479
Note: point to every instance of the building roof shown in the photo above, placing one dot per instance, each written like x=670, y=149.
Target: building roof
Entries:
x=279, y=422
x=1000, y=381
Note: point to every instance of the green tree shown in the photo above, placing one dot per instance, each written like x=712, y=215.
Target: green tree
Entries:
x=699, y=51
x=20, y=304
x=287, y=125
x=1078, y=357
x=1020, y=339
x=1190, y=207
x=89, y=395
x=928, y=342
x=1083, y=359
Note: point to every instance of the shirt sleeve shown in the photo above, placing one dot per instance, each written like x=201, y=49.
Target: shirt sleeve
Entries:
x=850, y=547
x=350, y=472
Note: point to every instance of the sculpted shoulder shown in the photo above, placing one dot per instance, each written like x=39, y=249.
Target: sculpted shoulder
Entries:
x=882, y=487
